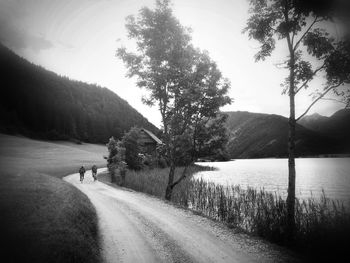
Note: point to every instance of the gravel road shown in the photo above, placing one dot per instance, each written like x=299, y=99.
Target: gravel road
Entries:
x=136, y=227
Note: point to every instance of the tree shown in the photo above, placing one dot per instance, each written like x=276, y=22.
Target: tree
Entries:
x=301, y=24
x=132, y=148
x=183, y=81
x=116, y=159
x=211, y=137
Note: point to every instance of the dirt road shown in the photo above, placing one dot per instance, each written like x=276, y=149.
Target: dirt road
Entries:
x=136, y=227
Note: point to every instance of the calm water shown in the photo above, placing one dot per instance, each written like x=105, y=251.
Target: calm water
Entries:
x=313, y=175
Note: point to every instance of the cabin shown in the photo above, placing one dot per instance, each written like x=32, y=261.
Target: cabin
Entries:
x=149, y=142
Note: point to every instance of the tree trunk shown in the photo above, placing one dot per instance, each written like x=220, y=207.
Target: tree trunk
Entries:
x=291, y=174
x=122, y=176
x=113, y=176
x=291, y=154
x=169, y=189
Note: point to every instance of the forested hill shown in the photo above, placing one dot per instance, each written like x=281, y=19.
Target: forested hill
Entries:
x=337, y=125
x=39, y=103
x=256, y=135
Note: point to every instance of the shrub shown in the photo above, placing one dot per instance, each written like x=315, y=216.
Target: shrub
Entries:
x=116, y=159
x=162, y=162
x=132, y=149
x=150, y=161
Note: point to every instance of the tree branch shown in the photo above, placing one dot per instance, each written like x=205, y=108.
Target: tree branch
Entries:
x=293, y=38
x=332, y=99
x=313, y=74
x=307, y=31
x=316, y=100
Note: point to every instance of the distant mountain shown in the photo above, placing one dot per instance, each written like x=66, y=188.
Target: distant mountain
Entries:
x=255, y=135
x=313, y=122
x=41, y=104
x=336, y=126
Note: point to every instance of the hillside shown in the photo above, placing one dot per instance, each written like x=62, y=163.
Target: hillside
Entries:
x=337, y=125
x=255, y=135
x=43, y=218
x=39, y=103
x=313, y=122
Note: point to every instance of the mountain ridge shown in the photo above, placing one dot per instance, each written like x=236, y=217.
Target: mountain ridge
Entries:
x=336, y=126
x=39, y=103
x=260, y=135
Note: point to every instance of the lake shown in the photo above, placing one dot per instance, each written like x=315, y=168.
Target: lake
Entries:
x=313, y=175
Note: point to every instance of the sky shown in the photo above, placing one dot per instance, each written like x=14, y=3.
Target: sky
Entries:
x=79, y=39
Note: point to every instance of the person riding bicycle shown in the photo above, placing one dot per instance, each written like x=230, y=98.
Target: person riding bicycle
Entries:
x=94, y=172
x=82, y=172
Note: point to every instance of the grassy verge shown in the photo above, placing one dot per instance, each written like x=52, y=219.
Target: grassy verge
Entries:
x=322, y=225
x=43, y=218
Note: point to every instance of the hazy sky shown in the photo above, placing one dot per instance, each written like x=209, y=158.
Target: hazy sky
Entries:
x=78, y=38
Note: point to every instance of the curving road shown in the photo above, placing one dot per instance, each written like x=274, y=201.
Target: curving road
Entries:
x=135, y=227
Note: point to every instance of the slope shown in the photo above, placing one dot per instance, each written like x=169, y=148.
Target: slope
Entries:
x=256, y=135
x=41, y=104
x=42, y=218
x=336, y=126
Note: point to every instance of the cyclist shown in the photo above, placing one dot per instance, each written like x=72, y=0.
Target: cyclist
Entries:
x=82, y=172
x=94, y=172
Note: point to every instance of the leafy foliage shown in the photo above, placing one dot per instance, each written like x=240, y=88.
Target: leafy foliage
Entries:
x=211, y=137
x=299, y=24
x=183, y=81
x=302, y=24
x=132, y=149
x=116, y=159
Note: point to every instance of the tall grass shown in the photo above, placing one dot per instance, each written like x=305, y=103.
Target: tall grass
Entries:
x=319, y=222
x=154, y=181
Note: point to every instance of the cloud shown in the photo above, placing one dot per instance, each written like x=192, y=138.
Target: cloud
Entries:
x=65, y=45
x=38, y=43
x=13, y=34
x=15, y=38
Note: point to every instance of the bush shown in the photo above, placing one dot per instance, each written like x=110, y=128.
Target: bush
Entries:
x=150, y=161
x=132, y=149
x=162, y=162
x=116, y=159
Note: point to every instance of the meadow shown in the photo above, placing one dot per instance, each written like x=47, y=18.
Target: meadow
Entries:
x=322, y=225
x=43, y=218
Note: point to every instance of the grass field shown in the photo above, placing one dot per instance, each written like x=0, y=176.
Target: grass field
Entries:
x=20, y=154
x=43, y=218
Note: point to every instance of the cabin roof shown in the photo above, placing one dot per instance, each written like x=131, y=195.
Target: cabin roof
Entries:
x=154, y=137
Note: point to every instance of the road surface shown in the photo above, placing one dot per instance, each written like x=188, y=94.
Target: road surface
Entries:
x=136, y=227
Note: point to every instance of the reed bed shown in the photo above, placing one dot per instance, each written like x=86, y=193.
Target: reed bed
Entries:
x=154, y=181
x=319, y=222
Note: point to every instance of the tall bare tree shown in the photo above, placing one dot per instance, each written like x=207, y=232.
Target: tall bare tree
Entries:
x=301, y=25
